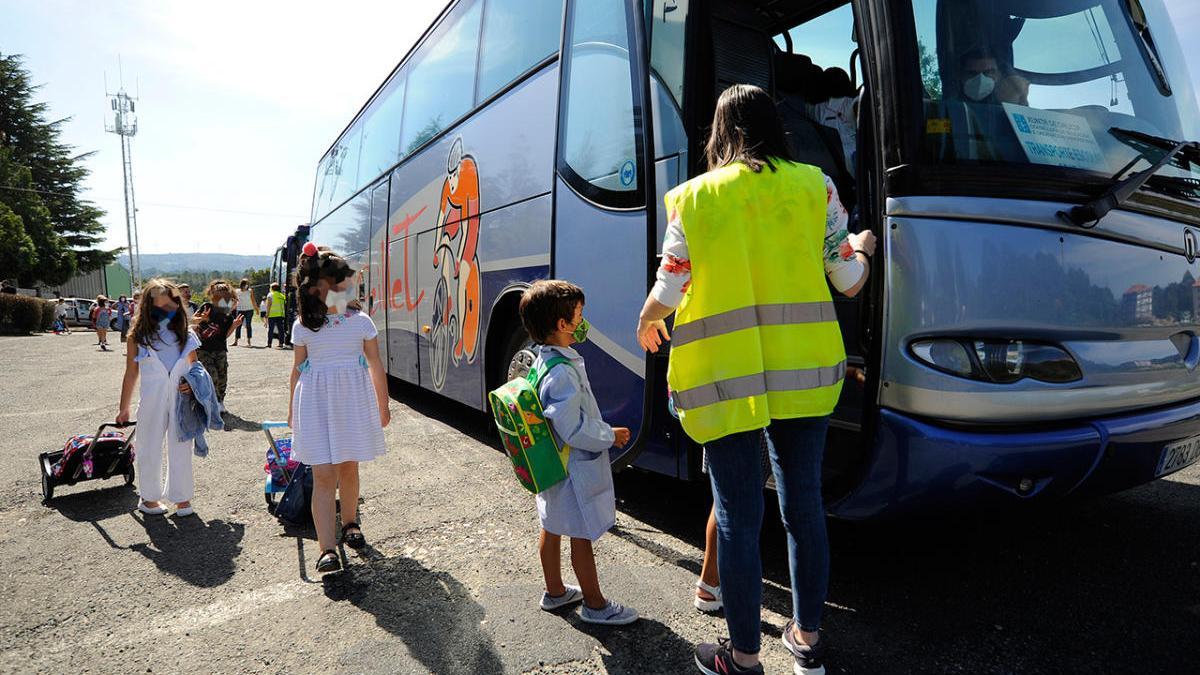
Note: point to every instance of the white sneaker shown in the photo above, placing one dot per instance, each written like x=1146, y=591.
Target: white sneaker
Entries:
x=612, y=614
x=184, y=511
x=708, y=605
x=151, y=510
x=572, y=595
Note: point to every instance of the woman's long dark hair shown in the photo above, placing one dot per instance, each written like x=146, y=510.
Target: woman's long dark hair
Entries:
x=324, y=265
x=746, y=128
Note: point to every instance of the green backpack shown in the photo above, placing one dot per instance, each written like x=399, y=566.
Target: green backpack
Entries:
x=537, y=460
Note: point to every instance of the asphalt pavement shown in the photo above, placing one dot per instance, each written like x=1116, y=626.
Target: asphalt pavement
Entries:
x=451, y=580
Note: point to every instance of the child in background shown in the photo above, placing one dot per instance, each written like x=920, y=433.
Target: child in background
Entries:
x=216, y=322
x=339, y=402
x=103, y=320
x=583, y=506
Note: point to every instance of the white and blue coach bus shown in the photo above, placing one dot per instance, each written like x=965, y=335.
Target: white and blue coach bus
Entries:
x=1030, y=329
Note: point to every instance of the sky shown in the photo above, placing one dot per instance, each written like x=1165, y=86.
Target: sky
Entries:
x=237, y=101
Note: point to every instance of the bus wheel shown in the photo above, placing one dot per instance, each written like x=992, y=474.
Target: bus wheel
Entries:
x=518, y=355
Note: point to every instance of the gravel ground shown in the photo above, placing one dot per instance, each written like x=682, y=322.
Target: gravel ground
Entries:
x=451, y=580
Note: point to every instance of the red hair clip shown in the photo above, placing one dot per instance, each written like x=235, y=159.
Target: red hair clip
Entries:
x=310, y=249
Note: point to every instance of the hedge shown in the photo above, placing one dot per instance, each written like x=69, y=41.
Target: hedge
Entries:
x=23, y=314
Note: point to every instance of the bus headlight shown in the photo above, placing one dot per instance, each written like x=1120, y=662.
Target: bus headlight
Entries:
x=998, y=361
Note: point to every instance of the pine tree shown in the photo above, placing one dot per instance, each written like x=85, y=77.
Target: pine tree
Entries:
x=40, y=182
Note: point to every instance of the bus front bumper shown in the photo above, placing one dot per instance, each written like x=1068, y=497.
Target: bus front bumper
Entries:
x=920, y=467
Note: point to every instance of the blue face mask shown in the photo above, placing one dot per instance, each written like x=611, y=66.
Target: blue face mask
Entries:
x=159, y=314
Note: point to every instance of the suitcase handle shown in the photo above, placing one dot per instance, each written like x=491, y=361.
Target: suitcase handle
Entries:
x=115, y=425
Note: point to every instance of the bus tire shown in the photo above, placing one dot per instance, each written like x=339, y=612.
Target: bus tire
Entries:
x=516, y=356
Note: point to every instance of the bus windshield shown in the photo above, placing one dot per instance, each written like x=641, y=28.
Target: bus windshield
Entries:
x=1056, y=83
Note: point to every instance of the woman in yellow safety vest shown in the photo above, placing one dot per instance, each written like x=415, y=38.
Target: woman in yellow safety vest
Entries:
x=276, y=311
x=748, y=248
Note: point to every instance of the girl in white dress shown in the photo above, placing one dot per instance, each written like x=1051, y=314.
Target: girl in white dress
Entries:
x=339, y=402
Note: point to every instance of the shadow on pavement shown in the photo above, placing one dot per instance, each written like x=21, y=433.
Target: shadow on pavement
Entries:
x=630, y=648
x=1105, y=585
x=462, y=418
x=88, y=506
x=431, y=612
x=236, y=423
x=202, y=553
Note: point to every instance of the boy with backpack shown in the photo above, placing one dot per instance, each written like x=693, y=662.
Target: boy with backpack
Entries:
x=581, y=506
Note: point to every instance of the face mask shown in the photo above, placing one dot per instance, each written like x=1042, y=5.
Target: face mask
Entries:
x=338, y=300
x=224, y=304
x=979, y=87
x=581, y=331
x=159, y=314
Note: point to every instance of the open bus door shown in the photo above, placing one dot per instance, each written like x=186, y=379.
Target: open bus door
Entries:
x=604, y=210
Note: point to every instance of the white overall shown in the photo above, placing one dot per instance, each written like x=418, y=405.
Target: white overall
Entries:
x=155, y=418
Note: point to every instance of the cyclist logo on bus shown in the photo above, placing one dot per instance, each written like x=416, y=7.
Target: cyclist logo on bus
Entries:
x=455, y=329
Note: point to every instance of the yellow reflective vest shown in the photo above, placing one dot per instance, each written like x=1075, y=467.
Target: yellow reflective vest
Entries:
x=756, y=337
x=278, y=304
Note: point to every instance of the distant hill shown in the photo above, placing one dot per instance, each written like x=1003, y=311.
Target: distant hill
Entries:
x=171, y=263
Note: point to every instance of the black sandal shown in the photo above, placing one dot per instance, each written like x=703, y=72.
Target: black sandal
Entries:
x=329, y=562
x=354, y=540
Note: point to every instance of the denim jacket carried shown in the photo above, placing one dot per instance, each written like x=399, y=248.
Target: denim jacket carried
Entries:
x=198, y=411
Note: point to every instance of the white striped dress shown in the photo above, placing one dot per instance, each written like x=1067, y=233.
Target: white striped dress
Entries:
x=335, y=414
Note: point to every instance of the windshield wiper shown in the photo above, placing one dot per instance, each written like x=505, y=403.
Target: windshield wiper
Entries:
x=1088, y=215
x=1141, y=27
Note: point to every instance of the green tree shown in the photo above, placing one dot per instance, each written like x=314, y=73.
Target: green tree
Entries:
x=17, y=254
x=41, y=179
x=930, y=75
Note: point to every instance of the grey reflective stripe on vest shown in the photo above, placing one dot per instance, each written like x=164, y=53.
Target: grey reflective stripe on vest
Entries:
x=781, y=314
x=758, y=384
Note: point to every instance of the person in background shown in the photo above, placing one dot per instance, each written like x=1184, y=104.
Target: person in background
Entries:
x=121, y=316
x=60, y=316
x=102, y=317
x=985, y=79
x=275, y=314
x=245, y=309
x=185, y=292
x=133, y=306
x=757, y=232
x=159, y=352
x=216, y=322
x=339, y=402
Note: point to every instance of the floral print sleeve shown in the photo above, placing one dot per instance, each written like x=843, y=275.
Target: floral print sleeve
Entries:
x=841, y=266
x=675, y=271
x=843, y=269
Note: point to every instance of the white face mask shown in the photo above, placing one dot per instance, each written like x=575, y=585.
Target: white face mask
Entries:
x=338, y=300
x=979, y=87
x=224, y=304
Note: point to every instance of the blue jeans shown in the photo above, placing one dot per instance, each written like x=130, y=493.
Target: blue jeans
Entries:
x=247, y=323
x=733, y=466
x=274, y=328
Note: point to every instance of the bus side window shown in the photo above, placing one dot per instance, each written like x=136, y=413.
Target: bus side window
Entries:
x=667, y=44
x=441, y=84
x=517, y=35
x=599, y=143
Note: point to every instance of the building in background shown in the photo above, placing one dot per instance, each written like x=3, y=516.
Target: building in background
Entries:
x=112, y=281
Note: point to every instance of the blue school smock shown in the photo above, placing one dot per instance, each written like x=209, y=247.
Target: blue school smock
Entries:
x=583, y=506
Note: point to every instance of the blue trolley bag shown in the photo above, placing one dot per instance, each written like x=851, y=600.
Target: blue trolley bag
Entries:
x=295, y=507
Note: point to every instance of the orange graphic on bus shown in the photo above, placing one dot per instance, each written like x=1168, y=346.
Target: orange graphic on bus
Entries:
x=456, y=243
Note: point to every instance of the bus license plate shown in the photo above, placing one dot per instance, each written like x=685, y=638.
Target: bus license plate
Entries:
x=1178, y=455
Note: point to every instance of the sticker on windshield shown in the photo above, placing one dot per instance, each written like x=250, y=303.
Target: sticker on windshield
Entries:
x=1055, y=138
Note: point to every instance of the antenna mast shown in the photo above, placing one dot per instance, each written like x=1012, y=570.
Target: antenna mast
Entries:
x=124, y=124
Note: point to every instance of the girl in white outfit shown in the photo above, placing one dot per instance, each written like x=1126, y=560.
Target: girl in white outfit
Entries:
x=160, y=350
x=339, y=403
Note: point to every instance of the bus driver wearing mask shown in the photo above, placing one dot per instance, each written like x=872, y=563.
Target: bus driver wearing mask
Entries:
x=983, y=81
